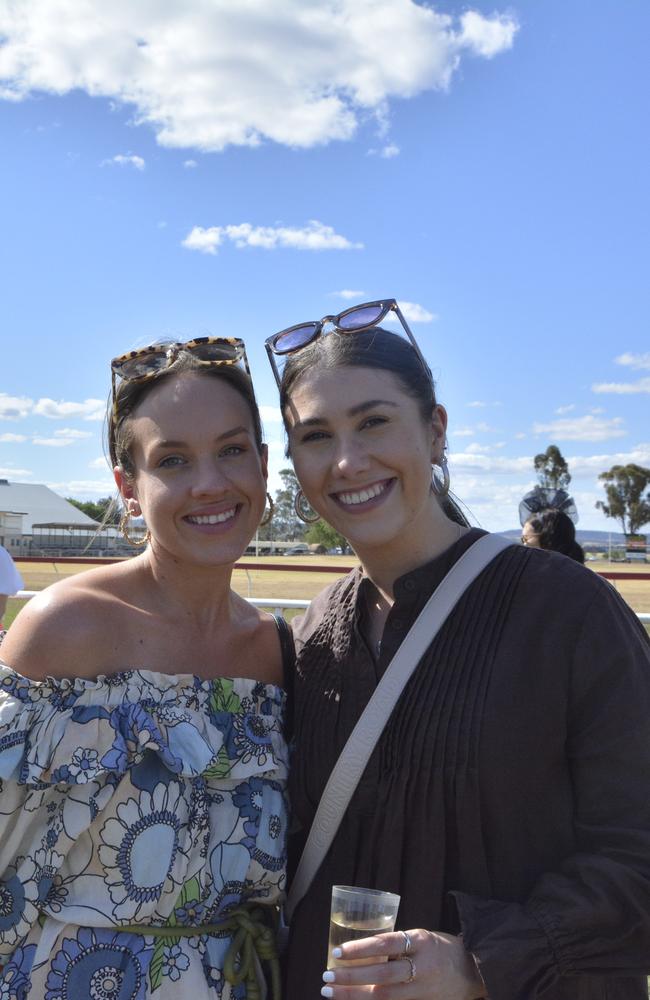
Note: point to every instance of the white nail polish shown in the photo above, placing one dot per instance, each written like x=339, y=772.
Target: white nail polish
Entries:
x=327, y=991
x=337, y=953
x=329, y=977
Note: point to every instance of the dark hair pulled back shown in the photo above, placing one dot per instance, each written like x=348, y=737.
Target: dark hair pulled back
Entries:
x=129, y=395
x=377, y=349
x=556, y=531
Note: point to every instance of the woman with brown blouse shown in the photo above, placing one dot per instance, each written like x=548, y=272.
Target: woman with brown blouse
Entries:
x=507, y=800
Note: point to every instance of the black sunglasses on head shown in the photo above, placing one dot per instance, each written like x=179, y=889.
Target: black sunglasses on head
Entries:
x=352, y=320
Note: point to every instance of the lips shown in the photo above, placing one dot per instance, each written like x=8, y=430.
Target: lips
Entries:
x=354, y=498
x=220, y=518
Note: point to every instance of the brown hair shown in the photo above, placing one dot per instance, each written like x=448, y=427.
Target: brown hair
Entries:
x=129, y=395
x=380, y=350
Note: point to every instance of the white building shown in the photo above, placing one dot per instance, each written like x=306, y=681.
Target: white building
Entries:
x=34, y=520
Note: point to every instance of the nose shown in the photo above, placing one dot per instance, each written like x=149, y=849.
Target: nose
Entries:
x=350, y=457
x=209, y=480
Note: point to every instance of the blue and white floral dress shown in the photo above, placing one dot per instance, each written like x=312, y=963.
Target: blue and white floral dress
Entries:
x=137, y=799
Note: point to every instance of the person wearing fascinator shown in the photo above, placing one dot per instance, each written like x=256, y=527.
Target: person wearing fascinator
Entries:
x=548, y=519
x=496, y=699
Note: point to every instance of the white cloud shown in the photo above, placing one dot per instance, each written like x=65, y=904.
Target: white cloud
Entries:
x=123, y=160
x=487, y=36
x=90, y=409
x=63, y=437
x=583, y=465
x=314, y=236
x=623, y=388
x=270, y=414
x=387, y=152
x=90, y=488
x=70, y=432
x=588, y=428
x=12, y=438
x=206, y=75
x=190, y=164
x=477, y=404
x=476, y=457
x=8, y=472
x=415, y=313
x=561, y=410
x=480, y=428
x=349, y=293
x=634, y=360
x=14, y=407
x=98, y=463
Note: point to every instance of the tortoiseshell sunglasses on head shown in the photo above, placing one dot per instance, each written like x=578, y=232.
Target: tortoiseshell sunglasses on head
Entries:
x=146, y=363
x=352, y=320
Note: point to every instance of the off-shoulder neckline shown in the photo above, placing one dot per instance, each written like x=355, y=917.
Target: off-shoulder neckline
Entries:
x=152, y=677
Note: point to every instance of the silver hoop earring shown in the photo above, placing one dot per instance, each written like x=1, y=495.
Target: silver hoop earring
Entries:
x=440, y=482
x=304, y=510
x=268, y=514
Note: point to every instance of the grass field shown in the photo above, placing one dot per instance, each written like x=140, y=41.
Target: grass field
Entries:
x=302, y=585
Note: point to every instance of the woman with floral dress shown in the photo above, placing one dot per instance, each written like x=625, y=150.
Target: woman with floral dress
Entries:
x=142, y=758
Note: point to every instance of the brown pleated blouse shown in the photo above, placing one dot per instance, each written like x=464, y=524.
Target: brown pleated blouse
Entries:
x=509, y=795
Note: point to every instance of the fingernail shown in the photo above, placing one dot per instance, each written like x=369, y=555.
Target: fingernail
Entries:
x=327, y=991
x=337, y=953
x=329, y=977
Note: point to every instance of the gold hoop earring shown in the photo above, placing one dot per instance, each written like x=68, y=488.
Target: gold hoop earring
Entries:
x=268, y=514
x=304, y=509
x=124, y=528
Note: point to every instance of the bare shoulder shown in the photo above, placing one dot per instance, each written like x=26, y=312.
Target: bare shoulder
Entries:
x=260, y=654
x=60, y=631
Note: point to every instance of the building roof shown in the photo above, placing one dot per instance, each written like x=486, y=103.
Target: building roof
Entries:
x=41, y=505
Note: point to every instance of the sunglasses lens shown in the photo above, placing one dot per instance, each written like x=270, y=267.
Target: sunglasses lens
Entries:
x=143, y=364
x=293, y=340
x=357, y=319
x=217, y=352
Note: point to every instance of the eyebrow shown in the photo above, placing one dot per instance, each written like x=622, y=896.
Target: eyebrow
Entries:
x=220, y=437
x=354, y=411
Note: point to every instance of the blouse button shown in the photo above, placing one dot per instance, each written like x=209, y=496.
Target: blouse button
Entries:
x=398, y=625
x=409, y=585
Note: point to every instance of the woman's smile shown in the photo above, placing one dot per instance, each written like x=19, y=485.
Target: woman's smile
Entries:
x=364, y=498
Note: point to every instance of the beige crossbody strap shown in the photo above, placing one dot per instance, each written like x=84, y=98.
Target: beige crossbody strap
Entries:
x=362, y=741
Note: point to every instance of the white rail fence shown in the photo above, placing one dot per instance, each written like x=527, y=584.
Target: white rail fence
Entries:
x=280, y=603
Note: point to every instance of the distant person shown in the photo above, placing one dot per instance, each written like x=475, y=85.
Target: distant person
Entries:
x=10, y=581
x=552, y=529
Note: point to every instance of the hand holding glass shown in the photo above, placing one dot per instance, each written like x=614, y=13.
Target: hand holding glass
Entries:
x=359, y=913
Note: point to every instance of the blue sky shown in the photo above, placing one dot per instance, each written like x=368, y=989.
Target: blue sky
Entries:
x=212, y=168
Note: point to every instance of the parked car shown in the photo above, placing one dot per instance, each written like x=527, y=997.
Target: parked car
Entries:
x=299, y=549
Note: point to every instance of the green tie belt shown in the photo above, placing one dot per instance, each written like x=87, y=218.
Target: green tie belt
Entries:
x=251, y=935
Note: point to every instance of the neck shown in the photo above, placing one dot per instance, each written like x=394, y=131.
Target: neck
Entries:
x=191, y=593
x=386, y=563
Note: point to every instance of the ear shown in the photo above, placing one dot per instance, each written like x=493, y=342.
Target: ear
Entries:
x=439, y=433
x=127, y=490
x=264, y=456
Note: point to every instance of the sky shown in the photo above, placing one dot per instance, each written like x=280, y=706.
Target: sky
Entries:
x=172, y=170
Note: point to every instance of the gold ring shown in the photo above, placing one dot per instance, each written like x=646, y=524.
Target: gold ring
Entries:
x=411, y=968
x=408, y=947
